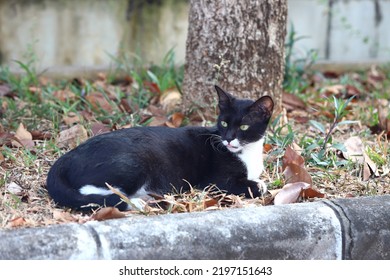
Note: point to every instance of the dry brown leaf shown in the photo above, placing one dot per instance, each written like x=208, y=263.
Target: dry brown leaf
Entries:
x=125, y=106
x=63, y=216
x=44, y=81
x=6, y=138
x=295, y=173
x=24, y=138
x=354, y=149
x=169, y=124
x=40, y=135
x=292, y=157
x=158, y=121
x=176, y=120
x=366, y=172
x=290, y=193
x=375, y=78
x=267, y=147
x=71, y=119
x=4, y=105
x=17, y=222
x=102, y=77
x=170, y=99
x=107, y=213
x=352, y=91
x=5, y=89
x=323, y=112
x=372, y=168
x=312, y=193
x=87, y=115
x=99, y=101
x=333, y=90
x=292, y=102
x=299, y=116
x=384, y=122
x=152, y=87
x=34, y=89
x=15, y=189
x=72, y=137
x=356, y=153
x=64, y=95
x=274, y=192
x=22, y=133
x=210, y=203
x=156, y=111
x=99, y=128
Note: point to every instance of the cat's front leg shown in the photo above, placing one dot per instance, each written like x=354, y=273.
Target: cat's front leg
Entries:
x=262, y=186
x=252, y=188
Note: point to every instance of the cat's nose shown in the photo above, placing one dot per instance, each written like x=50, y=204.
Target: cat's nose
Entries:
x=233, y=143
x=229, y=140
x=230, y=137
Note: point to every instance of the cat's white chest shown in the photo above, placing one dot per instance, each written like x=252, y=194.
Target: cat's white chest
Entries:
x=252, y=156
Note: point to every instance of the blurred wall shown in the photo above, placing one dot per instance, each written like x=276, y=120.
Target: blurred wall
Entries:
x=89, y=33
x=343, y=30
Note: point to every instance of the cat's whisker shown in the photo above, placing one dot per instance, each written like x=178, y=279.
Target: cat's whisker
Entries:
x=215, y=141
x=220, y=147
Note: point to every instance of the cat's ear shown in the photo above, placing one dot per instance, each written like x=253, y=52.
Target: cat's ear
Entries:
x=224, y=98
x=264, y=104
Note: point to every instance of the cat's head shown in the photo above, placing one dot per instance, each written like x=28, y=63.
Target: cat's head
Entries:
x=242, y=121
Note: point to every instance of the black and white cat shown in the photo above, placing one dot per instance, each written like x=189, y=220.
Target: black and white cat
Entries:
x=158, y=160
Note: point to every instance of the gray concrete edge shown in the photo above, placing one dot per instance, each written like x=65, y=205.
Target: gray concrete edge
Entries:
x=356, y=228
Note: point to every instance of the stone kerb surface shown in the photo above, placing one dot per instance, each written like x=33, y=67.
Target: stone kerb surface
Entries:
x=335, y=229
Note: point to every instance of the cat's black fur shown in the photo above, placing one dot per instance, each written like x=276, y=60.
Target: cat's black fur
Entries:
x=160, y=159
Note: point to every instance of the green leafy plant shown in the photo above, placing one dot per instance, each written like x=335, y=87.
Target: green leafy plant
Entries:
x=321, y=144
x=280, y=135
x=22, y=82
x=168, y=74
x=296, y=66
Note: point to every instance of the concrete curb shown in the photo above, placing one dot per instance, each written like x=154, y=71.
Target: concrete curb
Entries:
x=356, y=228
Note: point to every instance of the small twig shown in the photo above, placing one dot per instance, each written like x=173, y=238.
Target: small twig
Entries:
x=334, y=124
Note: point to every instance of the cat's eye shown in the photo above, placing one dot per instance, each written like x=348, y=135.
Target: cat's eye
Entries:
x=244, y=127
x=224, y=124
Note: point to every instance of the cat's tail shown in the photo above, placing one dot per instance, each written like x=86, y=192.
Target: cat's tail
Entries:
x=64, y=194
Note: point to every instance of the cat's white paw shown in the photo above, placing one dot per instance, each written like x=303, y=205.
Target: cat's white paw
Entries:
x=262, y=186
x=136, y=204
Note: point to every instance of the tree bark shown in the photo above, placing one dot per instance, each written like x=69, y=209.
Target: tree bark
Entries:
x=238, y=45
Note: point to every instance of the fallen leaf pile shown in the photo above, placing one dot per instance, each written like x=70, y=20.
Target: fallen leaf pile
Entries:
x=194, y=200
x=72, y=137
x=298, y=181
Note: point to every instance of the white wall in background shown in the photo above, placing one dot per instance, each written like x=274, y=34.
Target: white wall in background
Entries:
x=87, y=32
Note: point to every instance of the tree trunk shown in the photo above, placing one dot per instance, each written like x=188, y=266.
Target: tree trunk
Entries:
x=238, y=45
